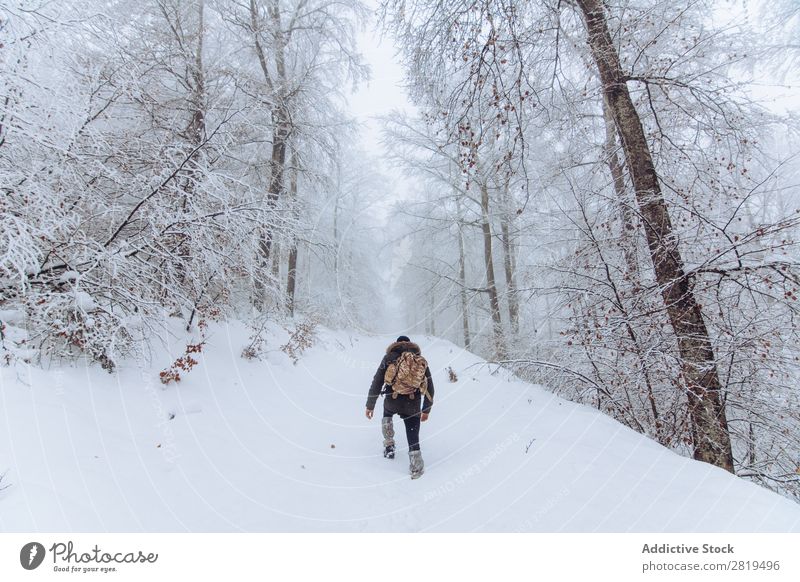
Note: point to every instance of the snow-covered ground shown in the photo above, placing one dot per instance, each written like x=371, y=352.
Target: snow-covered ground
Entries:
x=272, y=446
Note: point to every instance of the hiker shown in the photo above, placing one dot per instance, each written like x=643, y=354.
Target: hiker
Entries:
x=405, y=378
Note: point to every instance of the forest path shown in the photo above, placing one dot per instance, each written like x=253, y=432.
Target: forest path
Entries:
x=272, y=446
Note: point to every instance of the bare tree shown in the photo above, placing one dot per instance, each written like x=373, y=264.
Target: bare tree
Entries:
x=649, y=335
x=710, y=427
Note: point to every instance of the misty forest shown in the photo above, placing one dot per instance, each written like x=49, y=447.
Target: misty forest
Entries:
x=602, y=197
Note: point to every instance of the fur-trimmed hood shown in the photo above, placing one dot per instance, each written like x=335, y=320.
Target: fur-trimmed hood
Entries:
x=400, y=347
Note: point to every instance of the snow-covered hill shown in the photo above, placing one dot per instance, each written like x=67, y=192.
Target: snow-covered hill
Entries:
x=271, y=446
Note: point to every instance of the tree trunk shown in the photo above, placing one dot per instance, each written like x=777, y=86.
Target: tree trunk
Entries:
x=197, y=125
x=508, y=263
x=432, y=311
x=628, y=237
x=462, y=277
x=291, y=271
x=194, y=133
x=336, y=231
x=281, y=119
x=491, y=287
x=709, y=425
x=275, y=262
x=280, y=135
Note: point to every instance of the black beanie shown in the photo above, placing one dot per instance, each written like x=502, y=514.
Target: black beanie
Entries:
x=403, y=338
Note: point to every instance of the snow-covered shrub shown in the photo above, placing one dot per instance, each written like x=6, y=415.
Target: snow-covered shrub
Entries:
x=68, y=324
x=300, y=339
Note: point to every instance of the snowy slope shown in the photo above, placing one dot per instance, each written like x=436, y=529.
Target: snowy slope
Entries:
x=270, y=446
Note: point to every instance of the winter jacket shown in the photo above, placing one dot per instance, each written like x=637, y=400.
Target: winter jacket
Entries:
x=392, y=354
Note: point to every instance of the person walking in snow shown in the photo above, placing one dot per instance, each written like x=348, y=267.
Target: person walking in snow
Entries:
x=405, y=379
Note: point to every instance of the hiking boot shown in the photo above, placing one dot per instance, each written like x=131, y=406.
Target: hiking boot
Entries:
x=416, y=465
x=388, y=452
x=387, y=428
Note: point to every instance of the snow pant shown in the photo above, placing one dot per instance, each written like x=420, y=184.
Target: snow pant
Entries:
x=409, y=411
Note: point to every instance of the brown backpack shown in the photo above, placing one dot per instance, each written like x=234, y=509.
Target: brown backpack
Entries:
x=406, y=375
